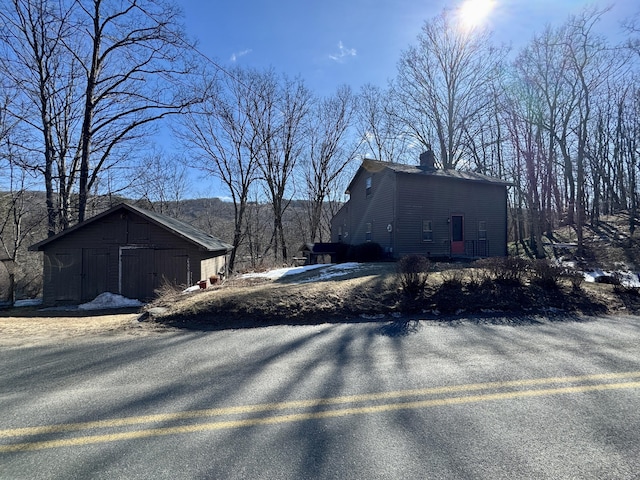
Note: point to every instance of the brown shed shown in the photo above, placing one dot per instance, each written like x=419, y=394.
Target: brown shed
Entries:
x=129, y=251
x=418, y=209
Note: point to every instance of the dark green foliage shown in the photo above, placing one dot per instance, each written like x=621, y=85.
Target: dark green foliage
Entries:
x=413, y=271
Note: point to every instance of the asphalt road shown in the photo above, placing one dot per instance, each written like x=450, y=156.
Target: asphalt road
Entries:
x=553, y=400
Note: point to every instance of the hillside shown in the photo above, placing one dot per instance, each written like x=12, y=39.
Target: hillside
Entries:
x=373, y=291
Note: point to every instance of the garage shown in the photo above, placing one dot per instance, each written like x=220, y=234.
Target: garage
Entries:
x=129, y=251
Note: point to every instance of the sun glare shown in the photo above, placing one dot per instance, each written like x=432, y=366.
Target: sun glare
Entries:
x=474, y=13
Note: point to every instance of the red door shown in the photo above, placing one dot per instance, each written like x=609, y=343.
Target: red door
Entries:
x=457, y=234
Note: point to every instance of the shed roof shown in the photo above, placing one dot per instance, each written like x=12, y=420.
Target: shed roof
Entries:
x=177, y=227
x=375, y=166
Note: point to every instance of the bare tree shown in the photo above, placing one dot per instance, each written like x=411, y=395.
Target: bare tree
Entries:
x=592, y=64
x=330, y=152
x=444, y=84
x=41, y=74
x=377, y=125
x=162, y=182
x=220, y=133
x=92, y=75
x=277, y=115
x=134, y=51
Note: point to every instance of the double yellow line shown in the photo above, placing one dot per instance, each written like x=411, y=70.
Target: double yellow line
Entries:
x=457, y=395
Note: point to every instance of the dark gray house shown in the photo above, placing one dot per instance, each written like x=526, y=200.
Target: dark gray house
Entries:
x=423, y=210
x=129, y=251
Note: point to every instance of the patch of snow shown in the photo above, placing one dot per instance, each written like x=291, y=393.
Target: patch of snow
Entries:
x=331, y=270
x=629, y=279
x=194, y=288
x=30, y=302
x=335, y=270
x=592, y=275
x=372, y=316
x=281, y=272
x=626, y=278
x=109, y=300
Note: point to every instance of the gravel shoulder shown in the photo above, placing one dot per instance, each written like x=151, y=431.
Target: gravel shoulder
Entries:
x=31, y=327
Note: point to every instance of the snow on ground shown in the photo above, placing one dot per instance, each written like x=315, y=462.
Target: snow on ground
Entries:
x=627, y=279
x=109, y=300
x=193, y=288
x=330, y=270
x=334, y=271
x=30, y=302
x=281, y=272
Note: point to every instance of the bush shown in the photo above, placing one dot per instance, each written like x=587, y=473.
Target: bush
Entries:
x=453, y=279
x=545, y=274
x=477, y=278
x=574, y=276
x=413, y=271
x=505, y=270
x=365, y=252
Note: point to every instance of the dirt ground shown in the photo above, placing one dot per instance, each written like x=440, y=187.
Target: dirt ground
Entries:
x=23, y=328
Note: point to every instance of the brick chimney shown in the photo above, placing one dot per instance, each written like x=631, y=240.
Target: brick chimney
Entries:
x=428, y=159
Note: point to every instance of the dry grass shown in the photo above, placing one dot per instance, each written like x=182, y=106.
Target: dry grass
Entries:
x=249, y=301
x=28, y=327
x=452, y=289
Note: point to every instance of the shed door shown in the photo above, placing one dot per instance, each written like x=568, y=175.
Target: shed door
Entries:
x=137, y=273
x=95, y=272
x=457, y=234
x=66, y=273
x=143, y=270
x=172, y=267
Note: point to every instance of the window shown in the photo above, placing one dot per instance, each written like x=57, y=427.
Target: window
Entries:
x=427, y=231
x=482, y=230
x=368, y=186
x=368, y=233
x=340, y=233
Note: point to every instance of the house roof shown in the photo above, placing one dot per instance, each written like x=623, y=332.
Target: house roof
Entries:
x=375, y=166
x=179, y=228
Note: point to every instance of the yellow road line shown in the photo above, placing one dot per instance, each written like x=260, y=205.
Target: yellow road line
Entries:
x=297, y=417
x=243, y=409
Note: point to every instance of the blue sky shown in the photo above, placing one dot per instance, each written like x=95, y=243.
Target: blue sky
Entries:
x=352, y=42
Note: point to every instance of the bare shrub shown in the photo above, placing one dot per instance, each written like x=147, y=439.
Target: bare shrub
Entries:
x=546, y=274
x=505, y=270
x=167, y=293
x=413, y=271
x=476, y=278
x=453, y=278
x=574, y=276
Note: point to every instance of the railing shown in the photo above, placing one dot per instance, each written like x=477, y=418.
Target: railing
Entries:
x=476, y=248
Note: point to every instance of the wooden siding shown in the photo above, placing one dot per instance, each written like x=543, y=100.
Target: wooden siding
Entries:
x=377, y=208
x=122, y=253
x=212, y=266
x=437, y=199
x=405, y=200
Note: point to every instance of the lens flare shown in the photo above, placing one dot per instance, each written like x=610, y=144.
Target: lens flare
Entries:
x=474, y=13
